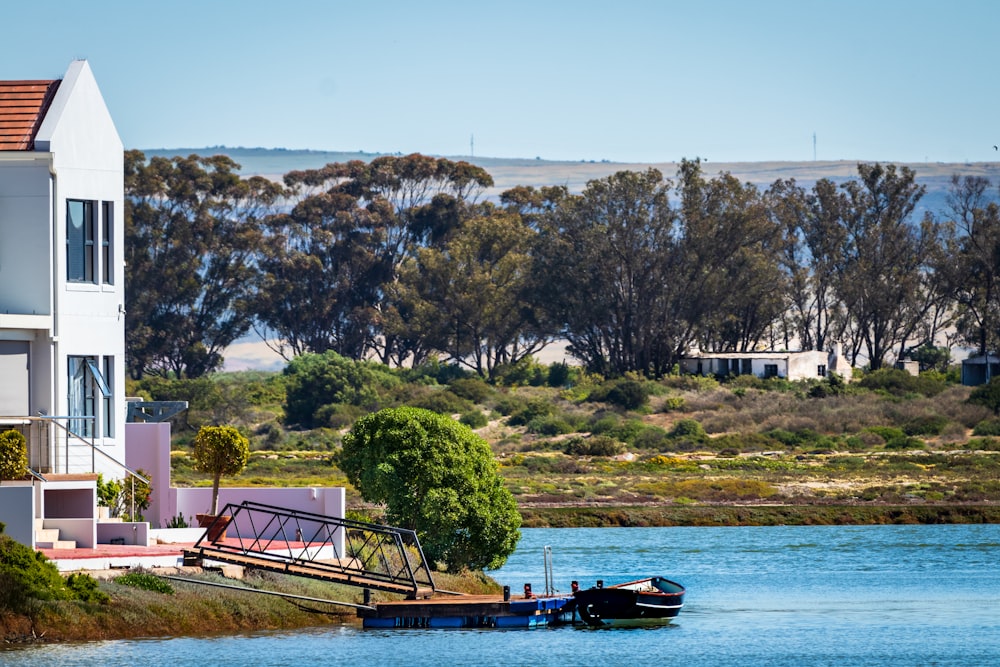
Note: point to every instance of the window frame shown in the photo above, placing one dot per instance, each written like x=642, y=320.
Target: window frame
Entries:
x=81, y=242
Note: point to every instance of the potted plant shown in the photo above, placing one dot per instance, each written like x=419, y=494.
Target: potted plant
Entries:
x=13, y=455
x=218, y=451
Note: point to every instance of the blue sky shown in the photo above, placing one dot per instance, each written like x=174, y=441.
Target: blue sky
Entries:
x=626, y=81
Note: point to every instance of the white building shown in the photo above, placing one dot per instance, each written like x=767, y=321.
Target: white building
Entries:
x=803, y=365
x=62, y=324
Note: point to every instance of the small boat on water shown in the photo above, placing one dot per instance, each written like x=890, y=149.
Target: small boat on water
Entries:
x=653, y=599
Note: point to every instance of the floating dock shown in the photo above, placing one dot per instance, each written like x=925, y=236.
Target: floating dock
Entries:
x=471, y=611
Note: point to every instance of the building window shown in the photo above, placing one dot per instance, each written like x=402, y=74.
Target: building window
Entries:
x=107, y=399
x=107, y=235
x=85, y=380
x=80, y=241
x=821, y=370
x=770, y=370
x=746, y=366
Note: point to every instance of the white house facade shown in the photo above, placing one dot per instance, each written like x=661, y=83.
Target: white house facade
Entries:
x=801, y=365
x=62, y=293
x=62, y=327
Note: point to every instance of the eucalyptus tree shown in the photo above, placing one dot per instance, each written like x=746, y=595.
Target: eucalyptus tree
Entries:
x=881, y=267
x=604, y=259
x=321, y=277
x=475, y=298
x=972, y=261
x=733, y=250
x=810, y=220
x=378, y=213
x=192, y=229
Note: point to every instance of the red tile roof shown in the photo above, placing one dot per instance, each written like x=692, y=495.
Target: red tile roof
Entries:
x=22, y=107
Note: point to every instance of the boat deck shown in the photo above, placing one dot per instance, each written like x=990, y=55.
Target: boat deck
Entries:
x=469, y=611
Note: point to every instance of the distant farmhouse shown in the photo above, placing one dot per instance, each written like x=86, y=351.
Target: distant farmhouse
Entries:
x=803, y=365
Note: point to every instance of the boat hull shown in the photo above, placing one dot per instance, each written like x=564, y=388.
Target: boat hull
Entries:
x=652, y=600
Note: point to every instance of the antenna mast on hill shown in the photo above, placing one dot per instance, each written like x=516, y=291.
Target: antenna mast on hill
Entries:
x=814, y=146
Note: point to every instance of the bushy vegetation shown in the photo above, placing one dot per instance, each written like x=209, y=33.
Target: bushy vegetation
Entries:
x=28, y=577
x=146, y=581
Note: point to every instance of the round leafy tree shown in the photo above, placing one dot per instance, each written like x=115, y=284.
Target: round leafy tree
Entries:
x=218, y=451
x=13, y=455
x=438, y=478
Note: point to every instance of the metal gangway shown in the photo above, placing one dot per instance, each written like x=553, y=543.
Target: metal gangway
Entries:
x=304, y=544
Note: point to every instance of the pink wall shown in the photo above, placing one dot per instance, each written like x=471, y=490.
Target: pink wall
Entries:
x=147, y=446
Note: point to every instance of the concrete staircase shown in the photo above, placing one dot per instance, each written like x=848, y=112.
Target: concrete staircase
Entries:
x=48, y=538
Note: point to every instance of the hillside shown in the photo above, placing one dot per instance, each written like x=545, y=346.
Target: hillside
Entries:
x=509, y=172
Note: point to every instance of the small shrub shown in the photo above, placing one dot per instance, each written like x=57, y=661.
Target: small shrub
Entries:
x=85, y=588
x=987, y=395
x=673, y=403
x=559, y=375
x=534, y=408
x=595, y=445
x=442, y=402
x=987, y=427
x=474, y=419
x=338, y=415
x=549, y=425
x=688, y=429
x=925, y=425
x=629, y=394
x=900, y=383
x=145, y=581
x=13, y=455
x=27, y=575
x=471, y=389
x=650, y=438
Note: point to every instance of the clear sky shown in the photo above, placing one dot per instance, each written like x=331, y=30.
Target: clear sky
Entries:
x=622, y=80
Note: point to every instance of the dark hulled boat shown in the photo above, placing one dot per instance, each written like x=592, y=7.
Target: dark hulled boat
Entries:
x=645, y=600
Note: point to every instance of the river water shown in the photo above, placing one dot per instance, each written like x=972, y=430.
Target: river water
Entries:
x=770, y=596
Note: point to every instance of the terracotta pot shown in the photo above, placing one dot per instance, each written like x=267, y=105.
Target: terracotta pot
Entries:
x=216, y=525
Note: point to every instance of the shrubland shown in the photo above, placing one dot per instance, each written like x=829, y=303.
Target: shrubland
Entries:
x=567, y=438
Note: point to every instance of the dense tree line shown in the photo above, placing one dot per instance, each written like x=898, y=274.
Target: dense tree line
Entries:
x=400, y=259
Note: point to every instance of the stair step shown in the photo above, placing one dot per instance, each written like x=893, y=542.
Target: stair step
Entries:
x=56, y=544
x=39, y=524
x=46, y=535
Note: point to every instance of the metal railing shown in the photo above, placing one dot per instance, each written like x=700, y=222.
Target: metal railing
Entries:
x=313, y=545
x=50, y=442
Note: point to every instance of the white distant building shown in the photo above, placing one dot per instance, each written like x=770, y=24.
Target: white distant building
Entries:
x=803, y=365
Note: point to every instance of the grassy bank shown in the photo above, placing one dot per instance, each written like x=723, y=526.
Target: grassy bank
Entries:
x=757, y=515
x=193, y=609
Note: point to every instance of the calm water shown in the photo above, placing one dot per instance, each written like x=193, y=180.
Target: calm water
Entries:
x=845, y=596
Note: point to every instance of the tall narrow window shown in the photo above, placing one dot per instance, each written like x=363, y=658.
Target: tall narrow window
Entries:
x=107, y=236
x=107, y=401
x=81, y=397
x=80, y=241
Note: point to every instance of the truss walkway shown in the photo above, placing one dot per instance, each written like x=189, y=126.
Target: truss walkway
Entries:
x=342, y=551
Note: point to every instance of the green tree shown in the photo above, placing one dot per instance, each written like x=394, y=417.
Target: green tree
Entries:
x=603, y=261
x=972, y=261
x=321, y=258
x=811, y=224
x=371, y=217
x=475, y=298
x=313, y=381
x=13, y=455
x=218, y=451
x=191, y=233
x=438, y=478
x=880, y=266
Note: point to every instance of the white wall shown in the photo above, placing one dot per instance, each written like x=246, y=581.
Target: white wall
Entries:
x=88, y=163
